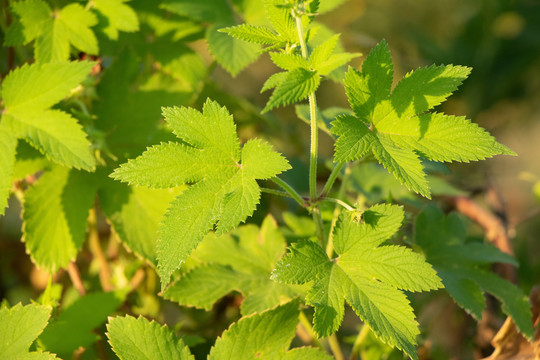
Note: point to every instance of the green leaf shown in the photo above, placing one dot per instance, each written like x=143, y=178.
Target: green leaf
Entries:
x=289, y=61
x=306, y=353
x=366, y=89
x=53, y=44
x=21, y=325
x=233, y=54
x=422, y=89
x=225, y=192
x=266, y=335
x=118, y=15
x=77, y=22
x=39, y=87
x=8, y=146
x=240, y=261
x=441, y=137
x=396, y=126
x=31, y=17
x=214, y=11
x=274, y=80
x=163, y=166
x=335, y=61
x=281, y=19
x=28, y=92
x=322, y=52
x=134, y=339
x=444, y=241
x=74, y=326
x=365, y=274
x=404, y=164
x=254, y=34
x=55, y=213
x=53, y=32
x=55, y=134
x=135, y=214
x=296, y=86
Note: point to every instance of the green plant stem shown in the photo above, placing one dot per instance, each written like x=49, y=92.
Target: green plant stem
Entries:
x=307, y=325
x=315, y=211
x=331, y=179
x=334, y=346
x=337, y=211
x=275, y=192
x=362, y=335
x=338, y=202
x=290, y=191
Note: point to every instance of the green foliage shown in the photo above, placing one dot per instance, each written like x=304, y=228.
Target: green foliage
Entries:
x=225, y=191
x=21, y=325
x=75, y=324
x=241, y=261
x=55, y=213
x=135, y=155
x=266, y=335
x=460, y=266
x=396, y=126
x=368, y=276
x=134, y=339
x=28, y=94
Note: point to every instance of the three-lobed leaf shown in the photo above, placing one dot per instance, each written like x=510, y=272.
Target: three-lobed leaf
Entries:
x=366, y=274
x=225, y=191
x=396, y=125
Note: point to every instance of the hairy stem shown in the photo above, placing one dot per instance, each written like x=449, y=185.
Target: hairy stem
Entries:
x=313, y=154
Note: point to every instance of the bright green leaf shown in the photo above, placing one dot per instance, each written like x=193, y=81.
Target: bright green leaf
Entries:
x=31, y=17
x=140, y=339
x=55, y=213
x=266, y=335
x=254, y=34
x=396, y=127
x=296, y=86
x=226, y=192
x=8, y=146
x=21, y=325
x=289, y=61
x=366, y=275
x=118, y=15
x=241, y=261
x=233, y=54
x=38, y=87
x=78, y=22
